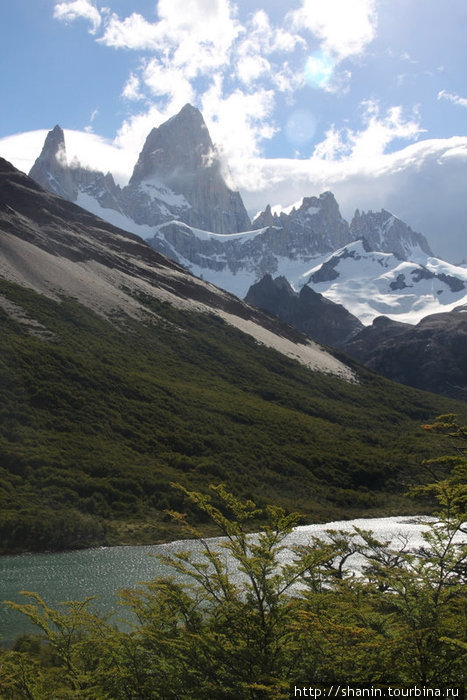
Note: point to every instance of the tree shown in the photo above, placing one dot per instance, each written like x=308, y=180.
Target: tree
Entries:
x=255, y=614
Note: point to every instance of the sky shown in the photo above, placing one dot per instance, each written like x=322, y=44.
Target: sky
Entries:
x=366, y=98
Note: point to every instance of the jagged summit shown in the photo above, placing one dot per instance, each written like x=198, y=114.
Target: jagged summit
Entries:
x=181, y=141
x=315, y=227
x=178, y=176
x=51, y=169
x=178, y=148
x=180, y=156
x=385, y=232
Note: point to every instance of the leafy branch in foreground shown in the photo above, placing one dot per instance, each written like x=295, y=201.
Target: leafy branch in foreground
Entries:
x=250, y=614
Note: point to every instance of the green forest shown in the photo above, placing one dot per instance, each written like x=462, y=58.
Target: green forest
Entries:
x=99, y=417
x=288, y=623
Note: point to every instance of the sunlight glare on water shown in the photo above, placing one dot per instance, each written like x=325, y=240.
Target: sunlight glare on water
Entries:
x=103, y=571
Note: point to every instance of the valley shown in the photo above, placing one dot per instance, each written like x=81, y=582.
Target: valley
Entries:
x=122, y=374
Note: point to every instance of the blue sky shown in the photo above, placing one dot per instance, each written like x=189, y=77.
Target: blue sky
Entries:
x=367, y=98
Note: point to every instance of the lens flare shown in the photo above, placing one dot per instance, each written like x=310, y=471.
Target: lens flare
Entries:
x=300, y=127
x=319, y=69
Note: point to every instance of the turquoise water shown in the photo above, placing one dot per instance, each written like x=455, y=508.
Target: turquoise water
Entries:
x=102, y=572
x=65, y=576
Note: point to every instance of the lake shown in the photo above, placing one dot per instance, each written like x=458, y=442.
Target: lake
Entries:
x=103, y=571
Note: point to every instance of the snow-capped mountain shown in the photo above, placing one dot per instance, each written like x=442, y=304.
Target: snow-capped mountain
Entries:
x=385, y=232
x=371, y=283
x=316, y=226
x=179, y=198
x=236, y=261
x=179, y=175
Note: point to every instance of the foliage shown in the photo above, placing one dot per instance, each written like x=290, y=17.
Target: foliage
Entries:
x=98, y=418
x=253, y=615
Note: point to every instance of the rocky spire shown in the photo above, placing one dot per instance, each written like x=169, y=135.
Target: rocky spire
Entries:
x=385, y=232
x=51, y=169
x=266, y=218
x=179, y=147
x=180, y=155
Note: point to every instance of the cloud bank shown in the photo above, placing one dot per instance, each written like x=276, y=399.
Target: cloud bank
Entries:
x=244, y=71
x=424, y=184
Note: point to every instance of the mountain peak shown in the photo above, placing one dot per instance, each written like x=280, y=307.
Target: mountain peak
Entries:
x=51, y=169
x=54, y=146
x=179, y=147
x=189, y=111
x=180, y=155
x=385, y=232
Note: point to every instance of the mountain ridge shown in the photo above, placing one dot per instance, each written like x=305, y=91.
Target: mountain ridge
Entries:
x=78, y=262
x=178, y=174
x=179, y=200
x=121, y=373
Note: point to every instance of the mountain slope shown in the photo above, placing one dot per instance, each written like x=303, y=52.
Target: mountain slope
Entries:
x=431, y=355
x=371, y=283
x=309, y=312
x=120, y=373
x=55, y=247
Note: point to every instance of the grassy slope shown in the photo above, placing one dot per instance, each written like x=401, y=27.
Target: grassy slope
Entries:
x=97, y=421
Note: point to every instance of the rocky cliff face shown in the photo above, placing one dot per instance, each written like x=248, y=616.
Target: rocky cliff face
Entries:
x=315, y=227
x=430, y=355
x=386, y=233
x=53, y=172
x=310, y=312
x=178, y=176
x=180, y=156
x=51, y=169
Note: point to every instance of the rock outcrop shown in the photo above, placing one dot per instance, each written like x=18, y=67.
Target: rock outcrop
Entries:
x=384, y=232
x=315, y=227
x=431, y=355
x=51, y=169
x=180, y=156
x=179, y=176
x=322, y=320
x=54, y=173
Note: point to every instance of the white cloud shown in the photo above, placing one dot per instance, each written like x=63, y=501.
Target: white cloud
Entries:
x=250, y=68
x=131, y=89
x=424, y=183
x=239, y=121
x=134, y=32
x=344, y=28
x=194, y=34
x=455, y=99
x=168, y=81
x=78, y=9
x=369, y=143
x=133, y=132
x=252, y=54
